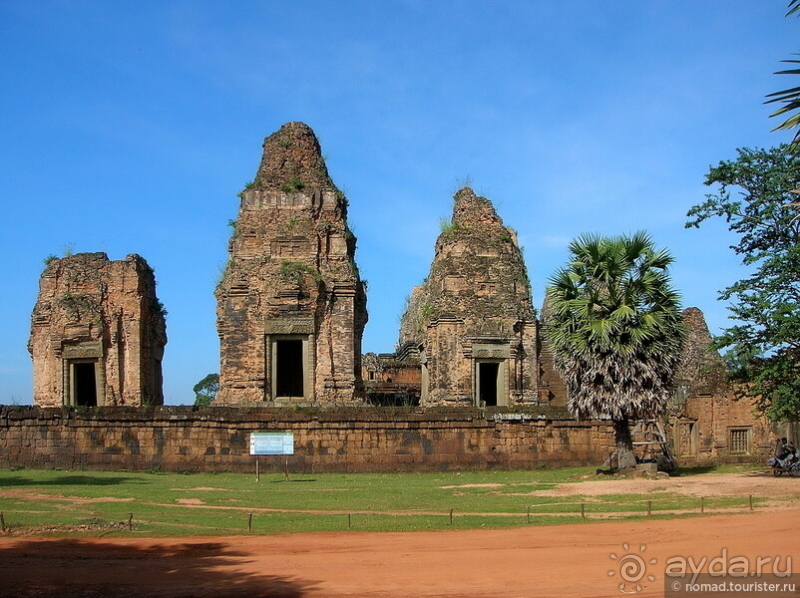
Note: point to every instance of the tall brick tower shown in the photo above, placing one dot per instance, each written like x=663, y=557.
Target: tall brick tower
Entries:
x=291, y=307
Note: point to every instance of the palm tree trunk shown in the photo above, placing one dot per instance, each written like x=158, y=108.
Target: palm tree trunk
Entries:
x=624, y=441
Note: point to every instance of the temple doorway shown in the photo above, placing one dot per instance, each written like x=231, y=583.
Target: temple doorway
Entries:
x=289, y=370
x=488, y=383
x=84, y=384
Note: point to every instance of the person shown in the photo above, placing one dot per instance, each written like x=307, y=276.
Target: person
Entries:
x=781, y=452
x=791, y=451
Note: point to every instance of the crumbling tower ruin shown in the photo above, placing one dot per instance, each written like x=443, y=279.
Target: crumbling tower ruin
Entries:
x=702, y=371
x=97, y=333
x=472, y=323
x=291, y=307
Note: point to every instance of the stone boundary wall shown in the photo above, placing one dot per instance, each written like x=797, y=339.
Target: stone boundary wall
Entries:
x=216, y=439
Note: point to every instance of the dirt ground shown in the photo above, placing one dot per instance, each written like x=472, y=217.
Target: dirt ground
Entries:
x=568, y=560
x=760, y=484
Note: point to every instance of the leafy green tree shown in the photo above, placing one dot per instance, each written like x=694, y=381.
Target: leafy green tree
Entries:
x=766, y=303
x=206, y=390
x=614, y=324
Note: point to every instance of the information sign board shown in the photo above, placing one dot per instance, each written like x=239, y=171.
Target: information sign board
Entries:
x=272, y=443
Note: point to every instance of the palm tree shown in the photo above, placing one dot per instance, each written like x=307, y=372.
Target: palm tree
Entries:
x=789, y=98
x=614, y=325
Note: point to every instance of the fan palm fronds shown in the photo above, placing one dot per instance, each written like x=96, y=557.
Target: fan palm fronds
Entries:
x=614, y=325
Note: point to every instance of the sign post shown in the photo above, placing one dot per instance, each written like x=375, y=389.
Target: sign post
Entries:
x=272, y=443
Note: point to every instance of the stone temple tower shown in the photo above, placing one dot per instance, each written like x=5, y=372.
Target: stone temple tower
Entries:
x=702, y=371
x=97, y=333
x=472, y=323
x=291, y=307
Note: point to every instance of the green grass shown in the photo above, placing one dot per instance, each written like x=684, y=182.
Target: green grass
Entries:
x=47, y=502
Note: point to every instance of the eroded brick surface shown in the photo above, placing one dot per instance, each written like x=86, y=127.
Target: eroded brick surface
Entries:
x=707, y=420
x=472, y=321
x=327, y=440
x=97, y=333
x=291, y=306
x=701, y=368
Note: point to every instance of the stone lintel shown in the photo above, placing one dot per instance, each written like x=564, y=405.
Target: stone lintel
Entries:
x=289, y=326
x=85, y=350
x=491, y=351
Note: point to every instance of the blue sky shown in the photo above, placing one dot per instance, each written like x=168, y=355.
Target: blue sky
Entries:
x=129, y=127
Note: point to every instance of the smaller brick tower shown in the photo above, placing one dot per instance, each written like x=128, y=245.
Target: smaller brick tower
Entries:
x=97, y=333
x=702, y=371
x=472, y=323
x=291, y=308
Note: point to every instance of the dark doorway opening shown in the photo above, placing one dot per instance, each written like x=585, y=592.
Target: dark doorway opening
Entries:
x=289, y=368
x=84, y=384
x=487, y=380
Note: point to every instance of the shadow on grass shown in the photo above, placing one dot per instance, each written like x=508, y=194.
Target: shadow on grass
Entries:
x=69, y=480
x=753, y=469
x=79, y=568
x=695, y=470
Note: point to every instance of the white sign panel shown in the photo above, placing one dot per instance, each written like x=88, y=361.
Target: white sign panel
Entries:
x=272, y=443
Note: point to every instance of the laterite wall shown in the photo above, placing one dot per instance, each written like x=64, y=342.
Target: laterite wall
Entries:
x=330, y=440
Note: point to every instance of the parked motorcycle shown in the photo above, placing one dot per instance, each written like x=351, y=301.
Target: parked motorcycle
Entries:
x=790, y=464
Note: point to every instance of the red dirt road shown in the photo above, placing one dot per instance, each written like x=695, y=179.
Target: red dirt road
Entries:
x=569, y=560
